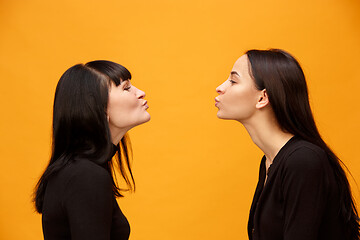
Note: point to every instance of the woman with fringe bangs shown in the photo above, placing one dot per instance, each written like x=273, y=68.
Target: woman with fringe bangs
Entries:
x=95, y=105
x=303, y=191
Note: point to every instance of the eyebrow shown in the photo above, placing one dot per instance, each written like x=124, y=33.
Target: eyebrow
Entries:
x=126, y=81
x=235, y=73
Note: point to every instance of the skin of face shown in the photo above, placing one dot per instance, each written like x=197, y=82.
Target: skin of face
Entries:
x=238, y=96
x=126, y=107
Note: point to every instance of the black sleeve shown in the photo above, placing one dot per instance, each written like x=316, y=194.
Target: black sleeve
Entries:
x=304, y=192
x=88, y=201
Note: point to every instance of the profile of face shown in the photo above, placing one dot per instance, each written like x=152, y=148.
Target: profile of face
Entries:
x=126, y=107
x=238, y=96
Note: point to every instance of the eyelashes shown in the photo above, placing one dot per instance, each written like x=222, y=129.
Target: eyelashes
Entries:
x=231, y=81
x=127, y=87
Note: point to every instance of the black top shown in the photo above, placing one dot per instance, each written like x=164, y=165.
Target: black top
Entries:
x=79, y=204
x=300, y=199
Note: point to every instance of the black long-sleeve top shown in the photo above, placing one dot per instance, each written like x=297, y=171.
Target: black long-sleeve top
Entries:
x=300, y=199
x=79, y=204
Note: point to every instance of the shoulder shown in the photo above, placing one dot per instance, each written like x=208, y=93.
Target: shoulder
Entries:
x=304, y=156
x=87, y=174
x=89, y=190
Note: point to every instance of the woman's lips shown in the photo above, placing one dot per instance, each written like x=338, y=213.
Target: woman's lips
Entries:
x=145, y=104
x=216, y=102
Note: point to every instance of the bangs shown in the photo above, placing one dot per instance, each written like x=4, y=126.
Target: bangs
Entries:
x=114, y=71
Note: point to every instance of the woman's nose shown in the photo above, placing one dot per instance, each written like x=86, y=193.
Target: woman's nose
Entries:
x=220, y=89
x=140, y=94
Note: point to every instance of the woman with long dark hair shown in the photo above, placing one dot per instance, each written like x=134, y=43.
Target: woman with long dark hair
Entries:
x=303, y=191
x=95, y=105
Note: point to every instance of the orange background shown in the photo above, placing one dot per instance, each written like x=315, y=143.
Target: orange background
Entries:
x=195, y=174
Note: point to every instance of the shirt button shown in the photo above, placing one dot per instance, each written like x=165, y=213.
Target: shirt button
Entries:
x=252, y=231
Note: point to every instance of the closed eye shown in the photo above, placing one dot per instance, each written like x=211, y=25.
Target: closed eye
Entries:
x=232, y=81
x=127, y=87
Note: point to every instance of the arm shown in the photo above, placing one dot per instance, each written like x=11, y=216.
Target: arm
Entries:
x=304, y=192
x=88, y=201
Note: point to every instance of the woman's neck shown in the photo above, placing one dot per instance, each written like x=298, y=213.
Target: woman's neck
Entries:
x=117, y=134
x=266, y=133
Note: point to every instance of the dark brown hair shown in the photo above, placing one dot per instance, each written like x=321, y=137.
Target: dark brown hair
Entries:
x=281, y=75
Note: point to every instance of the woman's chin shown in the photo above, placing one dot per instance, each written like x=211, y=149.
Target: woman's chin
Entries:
x=223, y=116
x=145, y=119
x=141, y=121
x=220, y=115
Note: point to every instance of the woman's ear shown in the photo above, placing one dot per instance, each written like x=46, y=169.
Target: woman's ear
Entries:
x=263, y=99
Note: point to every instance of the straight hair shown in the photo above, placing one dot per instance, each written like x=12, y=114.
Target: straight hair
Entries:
x=281, y=75
x=80, y=127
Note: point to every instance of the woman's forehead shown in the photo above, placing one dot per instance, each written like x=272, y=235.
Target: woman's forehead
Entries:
x=241, y=65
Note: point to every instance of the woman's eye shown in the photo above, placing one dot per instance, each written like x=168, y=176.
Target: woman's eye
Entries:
x=127, y=88
x=231, y=81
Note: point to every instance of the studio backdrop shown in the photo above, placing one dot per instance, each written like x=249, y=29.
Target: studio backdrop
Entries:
x=195, y=174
